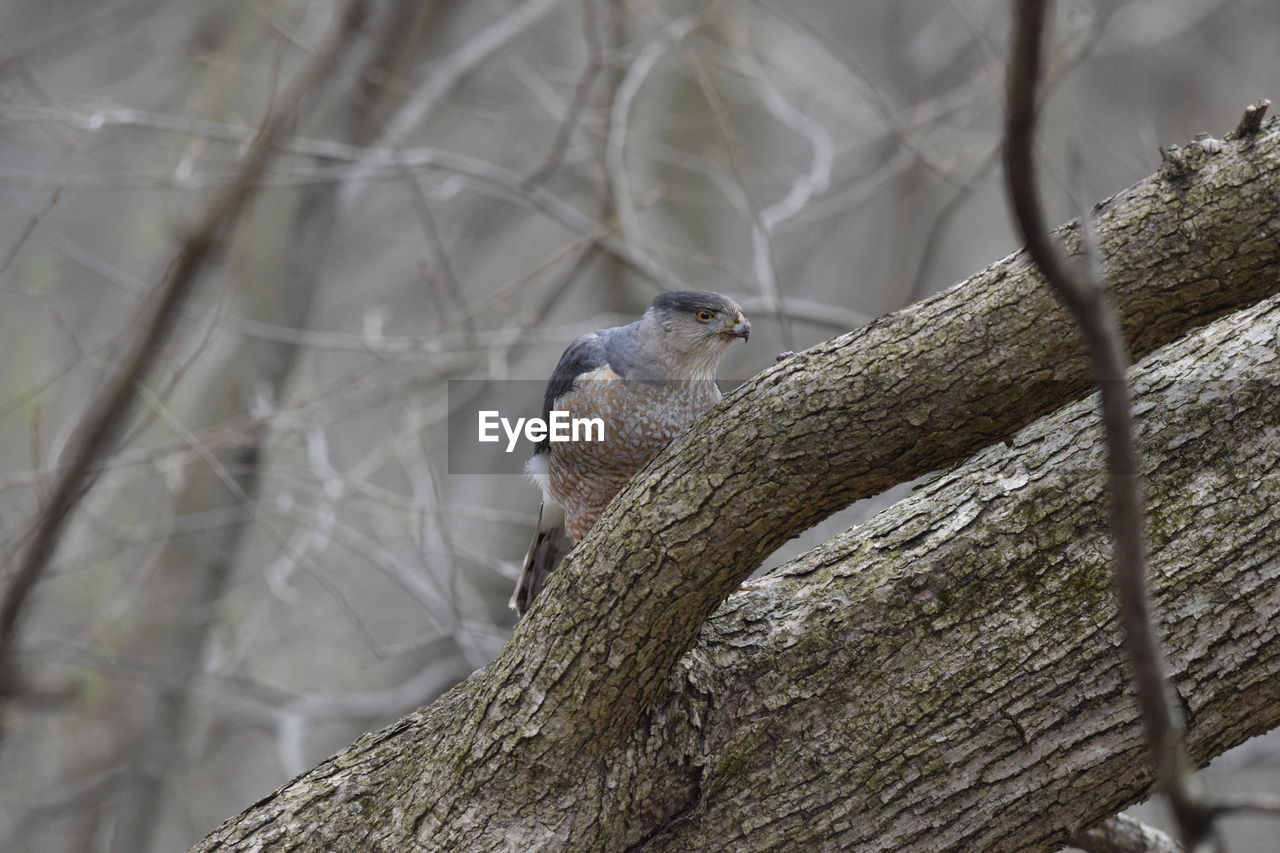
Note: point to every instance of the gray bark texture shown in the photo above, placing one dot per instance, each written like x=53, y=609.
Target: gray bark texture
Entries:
x=946, y=676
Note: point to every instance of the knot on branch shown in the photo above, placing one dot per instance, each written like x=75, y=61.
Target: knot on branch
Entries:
x=1177, y=162
x=1173, y=162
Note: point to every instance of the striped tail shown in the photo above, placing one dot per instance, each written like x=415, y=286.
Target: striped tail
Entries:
x=548, y=548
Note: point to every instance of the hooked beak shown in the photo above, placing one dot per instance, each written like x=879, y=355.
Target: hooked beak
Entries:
x=742, y=329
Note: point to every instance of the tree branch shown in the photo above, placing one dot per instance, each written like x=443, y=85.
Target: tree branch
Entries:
x=96, y=437
x=947, y=676
x=950, y=675
x=601, y=724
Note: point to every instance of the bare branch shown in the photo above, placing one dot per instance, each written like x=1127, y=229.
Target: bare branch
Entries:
x=1089, y=304
x=595, y=64
x=444, y=276
x=365, y=163
x=762, y=254
x=615, y=154
x=28, y=228
x=1023, y=709
x=1258, y=804
x=451, y=70
x=96, y=438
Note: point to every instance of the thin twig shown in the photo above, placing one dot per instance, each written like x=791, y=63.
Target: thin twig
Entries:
x=447, y=74
x=365, y=164
x=573, y=114
x=26, y=231
x=444, y=277
x=1256, y=804
x=762, y=255
x=888, y=112
x=619, y=121
x=932, y=244
x=1087, y=301
x=97, y=436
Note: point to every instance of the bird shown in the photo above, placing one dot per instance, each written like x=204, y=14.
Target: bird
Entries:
x=647, y=381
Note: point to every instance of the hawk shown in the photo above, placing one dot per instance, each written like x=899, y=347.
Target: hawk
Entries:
x=648, y=382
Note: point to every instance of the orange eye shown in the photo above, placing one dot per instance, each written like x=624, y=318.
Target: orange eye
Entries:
x=704, y=316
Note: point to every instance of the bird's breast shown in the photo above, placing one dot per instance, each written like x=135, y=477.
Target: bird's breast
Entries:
x=639, y=418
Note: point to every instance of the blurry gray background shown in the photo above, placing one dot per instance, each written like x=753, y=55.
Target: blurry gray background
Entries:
x=276, y=560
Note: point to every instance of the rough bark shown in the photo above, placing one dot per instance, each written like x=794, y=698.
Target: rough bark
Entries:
x=997, y=712
x=944, y=677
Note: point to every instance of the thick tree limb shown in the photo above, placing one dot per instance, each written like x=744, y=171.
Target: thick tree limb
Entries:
x=951, y=673
x=579, y=735
x=948, y=676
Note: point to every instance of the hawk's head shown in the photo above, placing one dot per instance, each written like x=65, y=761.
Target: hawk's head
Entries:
x=700, y=319
x=688, y=330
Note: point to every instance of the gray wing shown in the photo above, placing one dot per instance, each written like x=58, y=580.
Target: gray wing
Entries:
x=582, y=356
x=550, y=542
x=617, y=348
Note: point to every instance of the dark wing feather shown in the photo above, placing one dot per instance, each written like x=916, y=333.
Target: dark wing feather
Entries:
x=582, y=356
x=550, y=544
